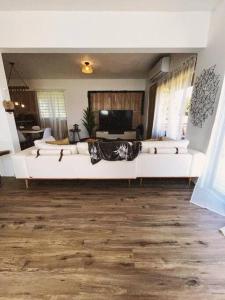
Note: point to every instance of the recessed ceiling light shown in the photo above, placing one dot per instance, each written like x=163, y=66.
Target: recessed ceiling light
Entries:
x=87, y=68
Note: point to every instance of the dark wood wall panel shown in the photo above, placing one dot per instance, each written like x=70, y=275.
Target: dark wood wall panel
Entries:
x=118, y=100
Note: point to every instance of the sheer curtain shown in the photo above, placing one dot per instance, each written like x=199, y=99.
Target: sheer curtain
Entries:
x=52, y=112
x=172, y=97
x=210, y=189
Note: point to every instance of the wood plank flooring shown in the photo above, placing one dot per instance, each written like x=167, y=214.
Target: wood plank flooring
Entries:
x=103, y=240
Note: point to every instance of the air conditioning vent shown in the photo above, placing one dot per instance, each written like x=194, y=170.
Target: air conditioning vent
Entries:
x=160, y=69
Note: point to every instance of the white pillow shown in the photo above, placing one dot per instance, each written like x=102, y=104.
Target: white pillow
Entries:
x=145, y=147
x=82, y=148
x=41, y=144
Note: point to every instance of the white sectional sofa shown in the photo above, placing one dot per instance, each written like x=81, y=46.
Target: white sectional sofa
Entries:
x=76, y=164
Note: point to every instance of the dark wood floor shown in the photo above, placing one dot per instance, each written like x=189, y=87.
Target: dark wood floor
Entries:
x=101, y=240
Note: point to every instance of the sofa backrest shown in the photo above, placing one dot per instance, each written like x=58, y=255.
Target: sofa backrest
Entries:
x=42, y=145
x=147, y=145
x=82, y=148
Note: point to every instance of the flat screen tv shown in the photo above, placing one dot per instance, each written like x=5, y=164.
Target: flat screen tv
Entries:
x=115, y=120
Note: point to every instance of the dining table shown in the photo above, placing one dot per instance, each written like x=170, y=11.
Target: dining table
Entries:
x=31, y=131
x=32, y=134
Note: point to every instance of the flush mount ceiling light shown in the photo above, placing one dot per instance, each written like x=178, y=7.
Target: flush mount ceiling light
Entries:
x=87, y=68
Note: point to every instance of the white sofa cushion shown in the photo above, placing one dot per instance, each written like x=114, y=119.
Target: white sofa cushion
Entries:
x=146, y=145
x=41, y=144
x=82, y=148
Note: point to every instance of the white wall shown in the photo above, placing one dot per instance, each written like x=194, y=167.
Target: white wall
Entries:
x=76, y=92
x=8, y=133
x=213, y=54
x=109, y=30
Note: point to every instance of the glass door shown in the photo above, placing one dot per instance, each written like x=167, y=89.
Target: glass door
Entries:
x=219, y=173
x=210, y=189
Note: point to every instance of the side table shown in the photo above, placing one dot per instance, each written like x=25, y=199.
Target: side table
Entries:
x=75, y=132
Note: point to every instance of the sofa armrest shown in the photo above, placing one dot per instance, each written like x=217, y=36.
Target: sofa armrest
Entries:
x=19, y=163
x=198, y=162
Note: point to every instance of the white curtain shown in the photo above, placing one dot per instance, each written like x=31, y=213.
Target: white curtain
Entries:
x=210, y=188
x=52, y=112
x=172, y=98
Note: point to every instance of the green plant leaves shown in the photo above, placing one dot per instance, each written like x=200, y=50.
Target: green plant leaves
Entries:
x=88, y=120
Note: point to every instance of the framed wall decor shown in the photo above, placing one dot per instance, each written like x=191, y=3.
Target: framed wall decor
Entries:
x=204, y=96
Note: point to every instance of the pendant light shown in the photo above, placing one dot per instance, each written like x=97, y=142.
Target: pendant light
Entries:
x=23, y=86
x=16, y=88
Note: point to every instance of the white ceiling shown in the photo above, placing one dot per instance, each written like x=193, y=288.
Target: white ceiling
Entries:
x=108, y=5
x=68, y=66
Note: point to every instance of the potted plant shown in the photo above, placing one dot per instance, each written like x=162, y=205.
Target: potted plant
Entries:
x=89, y=120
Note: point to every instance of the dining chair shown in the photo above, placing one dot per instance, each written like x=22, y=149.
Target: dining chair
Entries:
x=21, y=136
x=47, y=133
x=25, y=142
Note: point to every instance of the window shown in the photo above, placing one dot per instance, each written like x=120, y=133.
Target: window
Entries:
x=51, y=104
x=173, y=98
x=52, y=112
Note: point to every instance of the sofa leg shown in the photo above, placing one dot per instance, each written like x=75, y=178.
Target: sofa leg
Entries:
x=27, y=183
x=141, y=181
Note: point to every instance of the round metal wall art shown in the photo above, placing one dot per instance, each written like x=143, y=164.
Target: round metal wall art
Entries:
x=204, y=96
